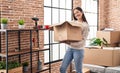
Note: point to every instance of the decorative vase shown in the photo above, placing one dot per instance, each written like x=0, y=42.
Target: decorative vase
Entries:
x=39, y=65
x=25, y=68
x=3, y=26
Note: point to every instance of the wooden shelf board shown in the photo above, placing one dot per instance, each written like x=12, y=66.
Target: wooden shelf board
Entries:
x=34, y=70
x=23, y=51
x=5, y=30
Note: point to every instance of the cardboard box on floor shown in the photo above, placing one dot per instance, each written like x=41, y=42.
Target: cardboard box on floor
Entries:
x=67, y=31
x=110, y=36
x=104, y=57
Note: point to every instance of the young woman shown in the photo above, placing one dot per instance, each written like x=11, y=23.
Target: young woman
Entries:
x=75, y=50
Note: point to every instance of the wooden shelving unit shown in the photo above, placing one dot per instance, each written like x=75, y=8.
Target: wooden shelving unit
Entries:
x=30, y=50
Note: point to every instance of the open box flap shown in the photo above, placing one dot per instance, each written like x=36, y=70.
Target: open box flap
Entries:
x=73, y=23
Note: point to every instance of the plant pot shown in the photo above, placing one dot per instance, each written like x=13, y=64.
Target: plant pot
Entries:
x=3, y=26
x=25, y=68
x=21, y=26
x=39, y=65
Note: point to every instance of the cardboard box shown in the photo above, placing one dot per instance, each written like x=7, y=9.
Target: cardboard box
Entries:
x=112, y=45
x=104, y=57
x=110, y=36
x=67, y=31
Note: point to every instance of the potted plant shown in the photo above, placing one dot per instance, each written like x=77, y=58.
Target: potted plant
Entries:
x=13, y=67
x=21, y=24
x=4, y=22
x=98, y=42
x=25, y=66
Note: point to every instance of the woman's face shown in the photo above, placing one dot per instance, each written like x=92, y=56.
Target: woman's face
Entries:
x=78, y=14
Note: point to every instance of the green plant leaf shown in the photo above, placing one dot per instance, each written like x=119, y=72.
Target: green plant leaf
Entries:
x=21, y=22
x=25, y=64
x=4, y=20
x=98, y=42
x=11, y=65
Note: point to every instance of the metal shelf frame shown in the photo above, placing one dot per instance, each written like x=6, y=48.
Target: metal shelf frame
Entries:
x=6, y=31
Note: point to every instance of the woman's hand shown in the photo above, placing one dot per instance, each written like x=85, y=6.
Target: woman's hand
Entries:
x=51, y=28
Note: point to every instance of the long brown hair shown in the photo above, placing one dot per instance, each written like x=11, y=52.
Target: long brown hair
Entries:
x=83, y=16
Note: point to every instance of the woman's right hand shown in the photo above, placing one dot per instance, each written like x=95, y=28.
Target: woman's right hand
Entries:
x=51, y=28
